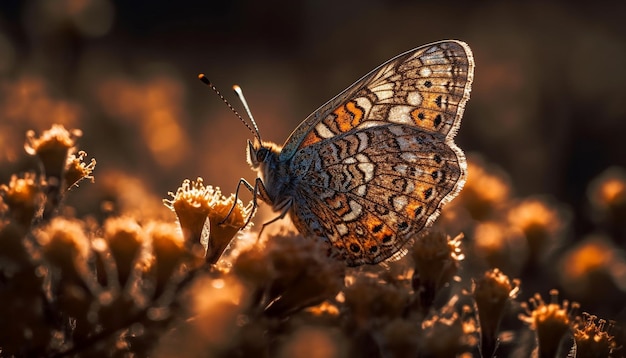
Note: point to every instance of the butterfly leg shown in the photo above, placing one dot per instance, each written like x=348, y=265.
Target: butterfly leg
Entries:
x=252, y=190
x=286, y=205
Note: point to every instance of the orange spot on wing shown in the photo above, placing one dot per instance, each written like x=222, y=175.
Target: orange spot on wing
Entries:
x=371, y=222
x=384, y=235
x=378, y=229
x=412, y=207
x=348, y=116
x=310, y=139
x=427, y=118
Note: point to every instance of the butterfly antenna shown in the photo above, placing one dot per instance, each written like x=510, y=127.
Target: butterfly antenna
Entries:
x=239, y=93
x=254, y=130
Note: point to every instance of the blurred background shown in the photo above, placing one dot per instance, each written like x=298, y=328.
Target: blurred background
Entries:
x=547, y=105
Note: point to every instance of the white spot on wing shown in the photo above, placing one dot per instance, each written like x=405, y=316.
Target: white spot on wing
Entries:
x=368, y=170
x=383, y=95
x=364, y=103
x=365, y=166
x=342, y=229
x=400, y=115
x=323, y=130
x=361, y=190
x=399, y=202
x=355, y=211
x=369, y=124
x=363, y=141
x=414, y=98
x=425, y=72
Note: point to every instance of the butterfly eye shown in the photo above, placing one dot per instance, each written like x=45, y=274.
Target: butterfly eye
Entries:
x=261, y=154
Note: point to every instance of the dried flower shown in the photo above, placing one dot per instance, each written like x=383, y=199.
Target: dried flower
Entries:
x=542, y=222
x=587, y=270
x=492, y=293
x=369, y=300
x=65, y=246
x=169, y=253
x=66, y=251
x=23, y=197
x=124, y=237
x=52, y=148
x=436, y=257
x=550, y=321
x=24, y=330
x=193, y=204
x=448, y=334
x=76, y=169
x=593, y=340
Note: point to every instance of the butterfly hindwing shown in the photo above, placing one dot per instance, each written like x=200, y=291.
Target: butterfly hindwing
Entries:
x=374, y=189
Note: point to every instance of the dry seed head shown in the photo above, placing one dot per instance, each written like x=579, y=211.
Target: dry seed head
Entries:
x=492, y=293
x=76, y=169
x=65, y=246
x=493, y=290
x=193, y=202
x=168, y=251
x=534, y=212
x=52, y=148
x=593, y=337
x=437, y=257
x=23, y=197
x=591, y=267
x=542, y=222
x=124, y=237
x=448, y=334
x=551, y=321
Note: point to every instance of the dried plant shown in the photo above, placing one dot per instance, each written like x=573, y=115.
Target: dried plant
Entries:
x=137, y=285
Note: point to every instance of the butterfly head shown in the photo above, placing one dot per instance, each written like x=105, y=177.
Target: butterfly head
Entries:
x=261, y=153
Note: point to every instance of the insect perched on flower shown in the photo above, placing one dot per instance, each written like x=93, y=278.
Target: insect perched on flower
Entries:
x=373, y=166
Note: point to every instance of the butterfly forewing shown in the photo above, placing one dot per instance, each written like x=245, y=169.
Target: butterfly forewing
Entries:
x=373, y=166
x=428, y=87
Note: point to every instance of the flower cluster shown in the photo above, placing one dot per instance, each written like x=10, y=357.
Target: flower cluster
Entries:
x=136, y=283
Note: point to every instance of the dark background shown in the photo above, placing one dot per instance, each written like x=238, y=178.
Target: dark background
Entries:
x=547, y=104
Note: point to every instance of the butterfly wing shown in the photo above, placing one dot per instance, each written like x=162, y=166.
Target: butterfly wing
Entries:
x=431, y=83
x=379, y=158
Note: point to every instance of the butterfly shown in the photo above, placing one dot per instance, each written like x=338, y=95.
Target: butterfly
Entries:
x=373, y=167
